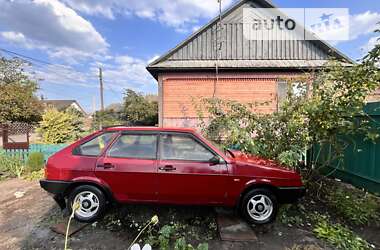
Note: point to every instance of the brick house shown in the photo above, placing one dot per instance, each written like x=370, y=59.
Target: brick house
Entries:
x=249, y=69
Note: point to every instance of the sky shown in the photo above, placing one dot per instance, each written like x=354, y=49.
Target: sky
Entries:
x=68, y=40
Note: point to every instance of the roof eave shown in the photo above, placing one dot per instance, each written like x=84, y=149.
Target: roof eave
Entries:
x=154, y=71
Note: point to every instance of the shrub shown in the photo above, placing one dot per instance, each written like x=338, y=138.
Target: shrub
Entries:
x=11, y=166
x=59, y=127
x=36, y=175
x=35, y=162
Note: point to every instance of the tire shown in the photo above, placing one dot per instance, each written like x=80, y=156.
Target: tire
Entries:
x=259, y=206
x=92, y=203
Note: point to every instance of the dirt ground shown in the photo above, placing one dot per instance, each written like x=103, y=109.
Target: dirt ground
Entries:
x=26, y=221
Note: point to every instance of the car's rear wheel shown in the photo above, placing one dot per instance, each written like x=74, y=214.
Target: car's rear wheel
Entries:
x=259, y=206
x=91, y=200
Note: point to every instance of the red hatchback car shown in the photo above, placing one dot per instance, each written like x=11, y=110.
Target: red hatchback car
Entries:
x=168, y=166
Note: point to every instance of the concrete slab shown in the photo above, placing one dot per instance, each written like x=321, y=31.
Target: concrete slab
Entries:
x=232, y=228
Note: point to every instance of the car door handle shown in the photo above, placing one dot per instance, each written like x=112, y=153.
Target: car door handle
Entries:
x=167, y=168
x=106, y=166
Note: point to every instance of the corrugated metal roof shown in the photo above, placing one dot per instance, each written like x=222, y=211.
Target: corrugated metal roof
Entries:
x=199, y=50
x=194, y=64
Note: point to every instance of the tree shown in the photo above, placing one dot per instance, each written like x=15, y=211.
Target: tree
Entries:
x=59, y=127
x=108, y=117
x=18, y=100
x=138, y=110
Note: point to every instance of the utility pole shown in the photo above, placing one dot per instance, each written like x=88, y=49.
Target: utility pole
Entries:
x=101, y=89
x=93, y=104
x=218, y=46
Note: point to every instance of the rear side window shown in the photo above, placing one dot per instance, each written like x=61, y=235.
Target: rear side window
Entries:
x=95, y=146
x=134, y=146
x=183, y=147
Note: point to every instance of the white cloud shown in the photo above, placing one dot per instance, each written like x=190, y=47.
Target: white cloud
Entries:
x=126, y=72
x=63, y=75
x=180, y=14
x=15, y=37
x=52, y=26
x=363, y=23
x=119, y=73
x=360, y=25
x=155, y=57
x=370, y=44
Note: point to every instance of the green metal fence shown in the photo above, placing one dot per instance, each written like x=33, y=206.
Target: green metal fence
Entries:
x=361, y=164
x=46, y=149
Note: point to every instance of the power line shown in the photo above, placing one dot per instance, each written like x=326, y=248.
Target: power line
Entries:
x=24, y=56
x=42, y=63
x=39, y=61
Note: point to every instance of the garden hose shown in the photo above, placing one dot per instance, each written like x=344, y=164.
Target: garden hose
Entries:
x=75, y=207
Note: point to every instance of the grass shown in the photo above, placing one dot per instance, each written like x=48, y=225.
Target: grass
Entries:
x=355, y=206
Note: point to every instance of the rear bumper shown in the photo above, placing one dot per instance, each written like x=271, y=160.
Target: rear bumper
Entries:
x=55, y=187
x=290, y=194
x=58, y=189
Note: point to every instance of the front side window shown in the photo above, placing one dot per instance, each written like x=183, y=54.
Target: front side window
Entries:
x=183, y=147
x=95, y=146
x=134, y=146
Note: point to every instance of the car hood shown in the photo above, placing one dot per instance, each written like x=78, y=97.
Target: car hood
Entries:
x=253, y=165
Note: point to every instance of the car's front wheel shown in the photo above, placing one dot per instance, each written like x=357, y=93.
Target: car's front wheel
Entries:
x=259, y=206
x=91, y=200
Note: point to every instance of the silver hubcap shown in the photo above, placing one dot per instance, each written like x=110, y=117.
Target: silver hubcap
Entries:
x=260, y=207
x=89, y=204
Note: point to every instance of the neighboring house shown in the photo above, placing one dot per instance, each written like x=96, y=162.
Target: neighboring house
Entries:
x=62, y=105
x=249, y=70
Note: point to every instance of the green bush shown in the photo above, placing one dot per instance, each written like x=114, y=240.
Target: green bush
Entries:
x=60, y=127
x=10, y=166
x=35, y=176
x=35, y=162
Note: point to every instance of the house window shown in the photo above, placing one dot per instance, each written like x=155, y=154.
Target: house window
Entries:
x=282, y=92
x=287, y=90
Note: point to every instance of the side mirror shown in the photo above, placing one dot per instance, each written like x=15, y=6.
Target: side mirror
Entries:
x=76, y=151
x=214, y=160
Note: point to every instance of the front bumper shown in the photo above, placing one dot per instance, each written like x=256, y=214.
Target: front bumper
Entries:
x=290, y=194
x=58, y=189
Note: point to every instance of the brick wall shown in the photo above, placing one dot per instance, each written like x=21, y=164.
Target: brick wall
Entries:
x=181, y=91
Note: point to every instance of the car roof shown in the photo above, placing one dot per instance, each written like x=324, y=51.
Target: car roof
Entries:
x=125, y=128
